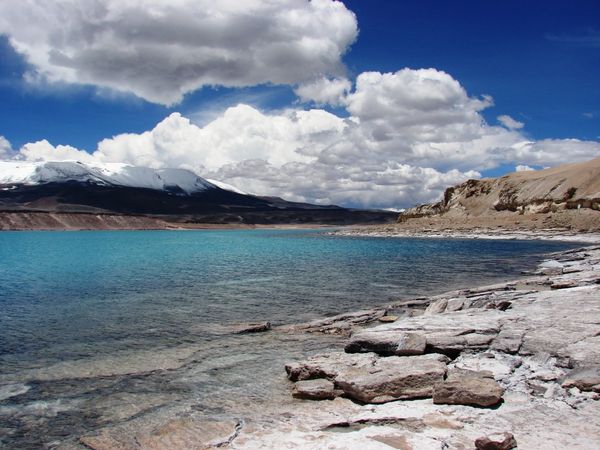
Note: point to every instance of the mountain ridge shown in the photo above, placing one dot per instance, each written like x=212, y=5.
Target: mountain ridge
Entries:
x=32, y=173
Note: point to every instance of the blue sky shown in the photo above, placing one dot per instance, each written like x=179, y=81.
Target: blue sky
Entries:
x=540, y=62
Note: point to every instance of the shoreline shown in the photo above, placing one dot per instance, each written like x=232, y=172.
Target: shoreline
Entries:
x=541, y=371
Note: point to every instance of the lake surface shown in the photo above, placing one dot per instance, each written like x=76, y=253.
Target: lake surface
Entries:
x=98, y=328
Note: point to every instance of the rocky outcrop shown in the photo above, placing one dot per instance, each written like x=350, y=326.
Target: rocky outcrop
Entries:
x=568, y=187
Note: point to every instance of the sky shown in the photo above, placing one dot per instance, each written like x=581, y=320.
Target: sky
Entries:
x=378, y=104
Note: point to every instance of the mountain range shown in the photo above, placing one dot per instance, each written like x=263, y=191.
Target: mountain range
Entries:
x=72, y=194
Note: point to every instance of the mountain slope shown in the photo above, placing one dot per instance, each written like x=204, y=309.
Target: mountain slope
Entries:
x=171, y=195
x=551, y=194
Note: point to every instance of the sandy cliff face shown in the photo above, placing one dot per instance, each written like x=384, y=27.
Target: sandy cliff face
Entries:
x=568, y=187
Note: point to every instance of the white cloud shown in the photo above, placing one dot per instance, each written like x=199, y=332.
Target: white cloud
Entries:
x=551, y=152
x=44, y=151
x=6, y=150
x=160, y=51
x=410, y=134
x=416, y=106
x=523, y=168
x=510, y=123
x=324, y=91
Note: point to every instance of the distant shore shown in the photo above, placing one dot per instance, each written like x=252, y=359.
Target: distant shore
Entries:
x=80, y=221
x=45, y=221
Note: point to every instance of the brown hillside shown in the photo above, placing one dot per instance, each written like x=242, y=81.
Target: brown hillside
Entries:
x=522, y=197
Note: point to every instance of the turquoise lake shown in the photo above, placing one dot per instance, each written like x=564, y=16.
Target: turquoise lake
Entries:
x=95, y=322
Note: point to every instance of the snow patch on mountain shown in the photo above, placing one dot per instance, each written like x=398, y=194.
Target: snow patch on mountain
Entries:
x=32, y=173
x=227, y=187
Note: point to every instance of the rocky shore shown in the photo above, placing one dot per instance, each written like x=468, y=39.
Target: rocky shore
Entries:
x=516, y=363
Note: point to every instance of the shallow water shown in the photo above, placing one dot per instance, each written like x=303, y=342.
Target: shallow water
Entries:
x=101, y=327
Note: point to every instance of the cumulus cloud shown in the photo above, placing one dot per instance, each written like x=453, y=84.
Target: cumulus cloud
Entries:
x=523, y=168
x=44, y=151
x=510, y=123
x=412, y=107
x=408, y=136
x=160, y=51
x=324, y=91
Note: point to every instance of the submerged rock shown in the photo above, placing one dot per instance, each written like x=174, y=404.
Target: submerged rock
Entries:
x=184, y=432
x=253, y=327
x=340, y=324
x=387, y=343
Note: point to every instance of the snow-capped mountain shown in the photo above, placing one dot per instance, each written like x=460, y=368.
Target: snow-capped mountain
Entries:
x=31, y=189
x=31, y=173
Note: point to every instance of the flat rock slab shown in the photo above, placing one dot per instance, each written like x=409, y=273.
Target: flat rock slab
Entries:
x=468, y=390
x=393, y=378
x=387, y=343
x=450, y=343
x=340, y=324
x=327, y=365
x=585, y=379
x=318, y=389
x=508, y=341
